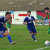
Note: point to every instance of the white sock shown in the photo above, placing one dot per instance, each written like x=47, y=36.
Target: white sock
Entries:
x=8, y=29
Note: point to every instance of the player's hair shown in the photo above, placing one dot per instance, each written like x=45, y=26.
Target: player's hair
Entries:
x=46, y=8
x=7, y=13
x=29, y=11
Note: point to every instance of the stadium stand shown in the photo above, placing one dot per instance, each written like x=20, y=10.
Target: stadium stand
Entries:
x=23, y=4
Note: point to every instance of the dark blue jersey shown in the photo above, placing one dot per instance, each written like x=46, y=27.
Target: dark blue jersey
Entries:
x=29, y=20
x=2, y=20
x=30, y=24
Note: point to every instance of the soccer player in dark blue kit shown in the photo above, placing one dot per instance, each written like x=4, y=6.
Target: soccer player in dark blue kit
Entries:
x=30, y=25
x=3, y=29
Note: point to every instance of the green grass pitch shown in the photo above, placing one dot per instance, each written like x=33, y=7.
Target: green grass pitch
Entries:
x=23, y=39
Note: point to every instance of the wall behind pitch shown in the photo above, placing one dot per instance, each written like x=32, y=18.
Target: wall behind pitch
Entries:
x=2, y=13
x=19, y=19
x=16, y=19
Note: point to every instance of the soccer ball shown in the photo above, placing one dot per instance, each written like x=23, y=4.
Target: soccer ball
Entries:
x=46, y=42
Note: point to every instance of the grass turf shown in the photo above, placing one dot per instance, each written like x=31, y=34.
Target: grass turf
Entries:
x=23, y=39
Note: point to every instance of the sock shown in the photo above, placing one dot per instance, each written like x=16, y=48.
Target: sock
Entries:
x=8, y=36
x=33, y=37
x=1, y=35
x=8, y=29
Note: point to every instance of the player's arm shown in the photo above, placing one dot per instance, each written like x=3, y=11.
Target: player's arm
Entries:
x=35, y=21
x=25, y=21
x=43, y=18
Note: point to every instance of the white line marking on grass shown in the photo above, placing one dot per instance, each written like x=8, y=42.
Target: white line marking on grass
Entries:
x=43, y=48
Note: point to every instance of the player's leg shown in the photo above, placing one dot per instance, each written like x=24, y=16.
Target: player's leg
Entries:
x=8, y=25
x=5, y=33
x=1, y=36
x=8, y=36
x=34, y=31
x=8, y=29
x=1, y=32
x=32, y=34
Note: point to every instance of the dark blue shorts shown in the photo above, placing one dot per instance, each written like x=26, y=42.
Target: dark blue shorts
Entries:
x=3, y=29
x=32, y=30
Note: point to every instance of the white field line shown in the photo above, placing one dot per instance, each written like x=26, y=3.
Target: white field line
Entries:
x=42, y=48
